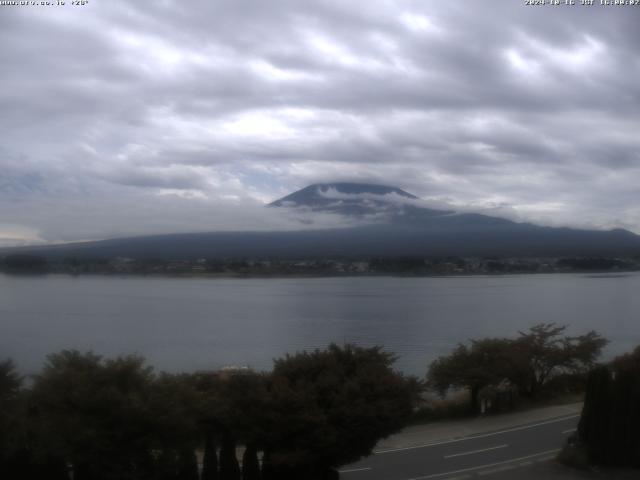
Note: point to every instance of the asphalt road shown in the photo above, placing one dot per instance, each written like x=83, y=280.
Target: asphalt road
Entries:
x=477, y=456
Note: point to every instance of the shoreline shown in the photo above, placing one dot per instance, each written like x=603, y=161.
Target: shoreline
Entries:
x=232, y=275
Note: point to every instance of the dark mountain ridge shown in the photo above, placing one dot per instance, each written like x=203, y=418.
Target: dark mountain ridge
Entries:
x=400, y=227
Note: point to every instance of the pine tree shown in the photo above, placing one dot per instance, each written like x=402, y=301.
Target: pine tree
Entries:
x=229, y=467
x=595, y=422
x=611, y=418
x=250, y=464
x=167, y=465
x=188, y=465
x=210, y=459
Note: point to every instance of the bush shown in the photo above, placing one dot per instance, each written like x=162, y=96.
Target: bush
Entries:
x=331, y=407
x=433, y=409
x=574, y=455
x=610, y=419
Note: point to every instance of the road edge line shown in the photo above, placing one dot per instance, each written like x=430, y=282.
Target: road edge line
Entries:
x=480, y=467
x=481, y=435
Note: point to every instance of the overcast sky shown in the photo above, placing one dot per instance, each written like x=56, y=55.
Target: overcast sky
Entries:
x=133, y=117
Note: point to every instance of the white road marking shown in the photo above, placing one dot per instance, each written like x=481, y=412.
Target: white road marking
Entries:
x=545, y=459
x=476, y=451
x=355, y=470
x=571, y=430
x=473, y=437
x=489, y=465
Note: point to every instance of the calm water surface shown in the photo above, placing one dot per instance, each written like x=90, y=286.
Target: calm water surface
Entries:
x=198, y=323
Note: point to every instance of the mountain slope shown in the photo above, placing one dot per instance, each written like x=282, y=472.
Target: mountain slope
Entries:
x=398, y=226
x=371, y=241
x=319, y=194
x=351, y=199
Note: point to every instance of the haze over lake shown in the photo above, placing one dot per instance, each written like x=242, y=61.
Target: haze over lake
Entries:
x=185, y=324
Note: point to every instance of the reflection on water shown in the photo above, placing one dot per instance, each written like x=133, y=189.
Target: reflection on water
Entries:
x=188, y=324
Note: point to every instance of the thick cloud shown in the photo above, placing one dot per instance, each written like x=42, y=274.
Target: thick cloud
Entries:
x=127, y=117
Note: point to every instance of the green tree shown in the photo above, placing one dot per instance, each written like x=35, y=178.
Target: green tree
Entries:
x=527, y=362
x=542, y=352
x=229, y=467
x=232, y=412
x=209, y=412
x=173, y=402
x=610, y=420
x=483, y=363
x=210, y=458
x=19, y=263
x=10, y=381
x=94, y=413
x=188, y=465
x=18, y=455
x=328, y=408
x=12, y=453
x=250, y=463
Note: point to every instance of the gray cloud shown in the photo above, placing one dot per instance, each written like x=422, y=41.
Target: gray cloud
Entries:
x=207, y=109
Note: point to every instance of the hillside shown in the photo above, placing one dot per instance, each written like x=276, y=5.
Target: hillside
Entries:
x=399, y=226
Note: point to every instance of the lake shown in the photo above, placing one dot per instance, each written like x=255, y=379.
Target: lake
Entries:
x=186, y=324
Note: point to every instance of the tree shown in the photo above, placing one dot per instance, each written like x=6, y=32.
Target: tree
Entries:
x=19, y=263
x=173, y=403
x=610, y=419
x=594, y=423
x=231, y=411
x=210, y=414
x=187, y=465
x=10, y=381
x=250, y=463
x=11, y=454
x=210, y=458
x=527, y=362
x=243, y=419
x=18, y=457
x=94, y=414
x=542, y=352
x=229, y=467
x=485, y=362
x=328, y=408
